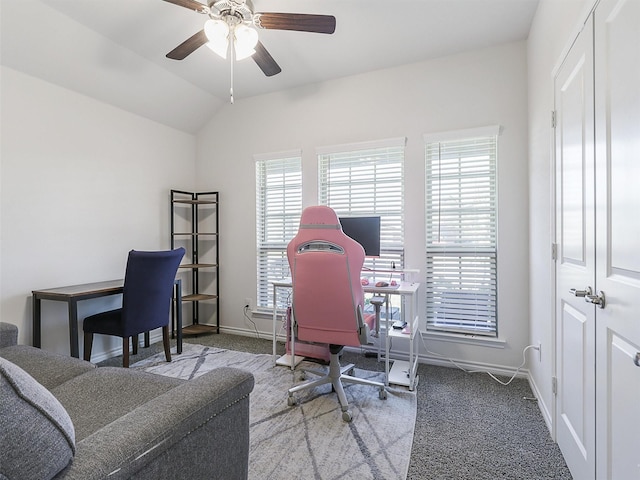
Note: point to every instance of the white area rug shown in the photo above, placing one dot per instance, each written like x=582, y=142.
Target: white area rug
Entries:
x=310, y=441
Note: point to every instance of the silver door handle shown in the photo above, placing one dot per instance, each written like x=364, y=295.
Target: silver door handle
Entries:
x=598, y=300
x=581, y=293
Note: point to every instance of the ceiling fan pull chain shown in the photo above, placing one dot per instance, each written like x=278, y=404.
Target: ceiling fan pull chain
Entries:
x=232, y=34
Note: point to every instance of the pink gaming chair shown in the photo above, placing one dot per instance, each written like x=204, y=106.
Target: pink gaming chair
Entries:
x=328, y=297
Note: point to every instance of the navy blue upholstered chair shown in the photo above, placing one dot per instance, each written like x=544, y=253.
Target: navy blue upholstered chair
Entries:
x=146, y=302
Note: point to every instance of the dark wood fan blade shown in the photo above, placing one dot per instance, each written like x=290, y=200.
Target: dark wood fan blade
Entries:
x=188, y=46
x=190, y=4
x=300, y=22
x=265, y=61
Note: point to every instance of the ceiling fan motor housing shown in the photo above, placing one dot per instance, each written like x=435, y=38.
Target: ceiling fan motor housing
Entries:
x=240, y=10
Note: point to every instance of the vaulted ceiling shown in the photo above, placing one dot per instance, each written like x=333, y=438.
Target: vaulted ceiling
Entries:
x=114, y=50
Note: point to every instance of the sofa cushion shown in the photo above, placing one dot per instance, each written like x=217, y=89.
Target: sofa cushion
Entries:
x=105, y=394
x=38, y=436
x=48, y=369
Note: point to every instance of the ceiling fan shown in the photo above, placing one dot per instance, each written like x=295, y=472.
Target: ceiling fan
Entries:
x=234, y=22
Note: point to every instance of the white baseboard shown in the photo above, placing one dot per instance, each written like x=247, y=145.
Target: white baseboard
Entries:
x=544, y=410
x=473, y=366
x=245, y=332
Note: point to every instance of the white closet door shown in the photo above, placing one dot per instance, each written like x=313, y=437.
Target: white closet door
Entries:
x=617, y=67
x=575, y=266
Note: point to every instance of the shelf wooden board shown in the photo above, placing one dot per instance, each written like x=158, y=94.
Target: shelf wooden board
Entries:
x=198, y=265
x=198, y=329
x=194, y=234
x=195, y=202
x=196, y=297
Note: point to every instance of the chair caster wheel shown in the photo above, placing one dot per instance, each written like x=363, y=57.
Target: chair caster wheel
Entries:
x=291, y=402
x=382, y=394
x=346, y=416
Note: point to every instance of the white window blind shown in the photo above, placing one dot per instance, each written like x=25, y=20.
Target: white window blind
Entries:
x=278, y=209
x=367, y=179
x=461, y=233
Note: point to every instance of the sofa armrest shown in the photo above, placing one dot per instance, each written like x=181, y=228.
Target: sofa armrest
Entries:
x=8, y=335
x=199, y=429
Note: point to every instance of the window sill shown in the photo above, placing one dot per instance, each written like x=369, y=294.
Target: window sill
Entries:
x=464, y=339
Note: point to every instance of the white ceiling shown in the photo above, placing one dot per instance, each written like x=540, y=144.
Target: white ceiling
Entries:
x=114, y=50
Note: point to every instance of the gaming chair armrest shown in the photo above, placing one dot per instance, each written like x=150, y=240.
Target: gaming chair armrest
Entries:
x=363, y=329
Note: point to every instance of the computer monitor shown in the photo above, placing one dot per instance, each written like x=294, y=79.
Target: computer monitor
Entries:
x=365, y=231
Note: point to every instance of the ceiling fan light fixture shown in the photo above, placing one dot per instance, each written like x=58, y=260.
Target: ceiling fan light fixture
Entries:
x=217, y=33
x=245, y=41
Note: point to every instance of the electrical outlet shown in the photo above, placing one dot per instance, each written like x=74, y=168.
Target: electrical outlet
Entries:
x=247, y=303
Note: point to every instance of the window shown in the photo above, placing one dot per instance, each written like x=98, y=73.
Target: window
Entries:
x=367, y=179
x=461, y=232
x=278, y=209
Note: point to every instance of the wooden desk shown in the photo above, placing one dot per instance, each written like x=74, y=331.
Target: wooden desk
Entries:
x=76, y=293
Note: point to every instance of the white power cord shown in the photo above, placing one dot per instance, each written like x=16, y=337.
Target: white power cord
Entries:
x=255, y=327
x=524, y=360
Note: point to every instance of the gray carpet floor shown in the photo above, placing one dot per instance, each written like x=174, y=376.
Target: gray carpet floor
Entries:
x=468, y=426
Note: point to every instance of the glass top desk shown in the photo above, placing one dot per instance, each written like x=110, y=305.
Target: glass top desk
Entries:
x=77, y=293
x=401, y=372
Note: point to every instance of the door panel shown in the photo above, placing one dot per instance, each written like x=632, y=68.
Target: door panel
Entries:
x=574, y=330
x=575, y=267
x=617, y=24
x=572, y=123
x=620, y=457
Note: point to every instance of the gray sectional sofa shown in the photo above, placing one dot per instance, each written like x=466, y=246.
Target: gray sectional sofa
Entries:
x=64, y=418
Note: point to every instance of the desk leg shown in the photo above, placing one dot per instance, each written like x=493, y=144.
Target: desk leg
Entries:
x=179, y=316
x=387, y=342
x=73, y=328
x=275, y=320
x=36, y=319
x=292, y=340
x=413, y=353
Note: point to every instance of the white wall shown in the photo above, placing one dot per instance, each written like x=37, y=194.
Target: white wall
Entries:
x=54, y=47
x=82, y=183
x=479, y=88
x=555, y=26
